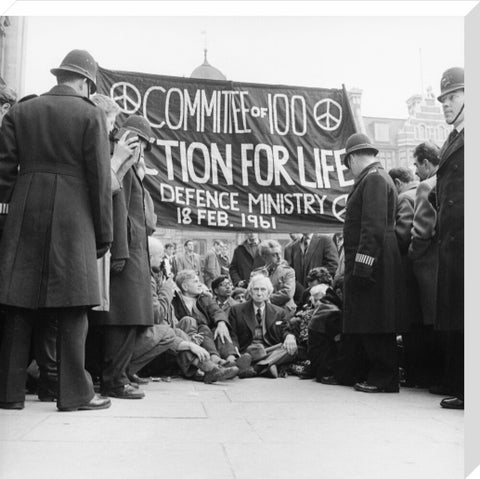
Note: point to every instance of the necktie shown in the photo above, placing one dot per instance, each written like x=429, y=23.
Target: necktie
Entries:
x=305, y=244
x=259, y=316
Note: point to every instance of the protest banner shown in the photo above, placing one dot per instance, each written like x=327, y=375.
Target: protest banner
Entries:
x=240, y=156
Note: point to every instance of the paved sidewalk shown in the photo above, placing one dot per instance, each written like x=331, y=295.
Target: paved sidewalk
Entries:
x=240, y=429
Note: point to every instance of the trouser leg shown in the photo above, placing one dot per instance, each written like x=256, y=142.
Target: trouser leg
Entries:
x=185, y=361
x=321, y=353
x=277, y=357
x=75, y=385
x=208, y=341
x=151, y=343
x=381, y=350
x=45, y=346
x=119, y=347
x=14, y=353
x=94, y=345
x=351, y=364
x=455, y=362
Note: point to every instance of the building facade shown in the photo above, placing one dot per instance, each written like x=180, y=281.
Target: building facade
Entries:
x=12, y=52
x=396, y=138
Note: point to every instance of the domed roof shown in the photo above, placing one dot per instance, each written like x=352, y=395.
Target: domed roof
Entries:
x=207, y=72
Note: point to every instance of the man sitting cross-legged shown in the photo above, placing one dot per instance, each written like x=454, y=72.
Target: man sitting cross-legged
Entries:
x=260, y=329
x=193, y=360
x=211, y=324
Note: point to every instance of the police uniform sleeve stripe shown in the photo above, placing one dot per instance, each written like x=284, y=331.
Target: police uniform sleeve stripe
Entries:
x=365, y=259
x=3, y=208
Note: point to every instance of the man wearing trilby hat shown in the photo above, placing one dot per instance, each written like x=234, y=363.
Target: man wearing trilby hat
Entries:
x=450, y=230
x=372, y=284
x=56, y=203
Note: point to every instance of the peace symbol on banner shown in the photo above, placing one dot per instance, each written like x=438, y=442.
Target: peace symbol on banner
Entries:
x=126, y=96
x=328, y=114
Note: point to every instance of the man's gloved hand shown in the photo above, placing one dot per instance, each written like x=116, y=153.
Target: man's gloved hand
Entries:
x=102, y=249
x=118, y=265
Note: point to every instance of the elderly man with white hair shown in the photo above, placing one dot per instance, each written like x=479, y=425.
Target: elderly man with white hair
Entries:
x=281, y=275
x=260, y=329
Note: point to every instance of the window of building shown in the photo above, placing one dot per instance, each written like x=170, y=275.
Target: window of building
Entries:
x=422, y=132
x=381, y=132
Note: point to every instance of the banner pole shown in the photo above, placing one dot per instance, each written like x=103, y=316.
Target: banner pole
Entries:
x=350, y=108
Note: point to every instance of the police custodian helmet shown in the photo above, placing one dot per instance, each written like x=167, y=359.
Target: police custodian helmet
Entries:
x=452, y=80
x=82, y=63
x=358, y=142
x=141, y=127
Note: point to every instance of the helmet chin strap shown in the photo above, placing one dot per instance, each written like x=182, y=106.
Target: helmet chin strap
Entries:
x=458, y=114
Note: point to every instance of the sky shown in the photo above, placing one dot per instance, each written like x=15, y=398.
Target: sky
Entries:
x=389, y=58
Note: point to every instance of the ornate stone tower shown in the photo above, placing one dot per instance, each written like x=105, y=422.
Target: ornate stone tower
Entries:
x=12, y=52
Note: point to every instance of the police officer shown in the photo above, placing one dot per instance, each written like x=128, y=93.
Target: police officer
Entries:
x=372, y=270
x=450, y=227
x=57, y=193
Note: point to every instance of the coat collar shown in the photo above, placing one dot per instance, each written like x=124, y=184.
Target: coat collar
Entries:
x=364, y=173
x=64, y=90
x=448, y=149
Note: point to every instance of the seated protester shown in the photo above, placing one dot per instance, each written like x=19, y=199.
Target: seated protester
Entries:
x=239, y=294
x=222, y=292
x=324, y=331
x=318, y=275
x=190, y=300
x=260, y=329
x=193, y=360
x=281, y=275
x=299, y=324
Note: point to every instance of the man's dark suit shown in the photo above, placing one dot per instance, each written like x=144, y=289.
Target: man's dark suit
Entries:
x=321, y=252
x=243, y=322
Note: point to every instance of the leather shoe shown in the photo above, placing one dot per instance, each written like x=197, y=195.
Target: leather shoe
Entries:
x=127, y=391
x=97, y=402
x=134, y=378
x=330, y=380
x=12, y=405
x=369, y=388
x=244, y=362
x=452, y=403
x=219, y=373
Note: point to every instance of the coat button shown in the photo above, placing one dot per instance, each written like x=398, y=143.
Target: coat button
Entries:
x=450, y=203
x=452, y=238
x=455, y=167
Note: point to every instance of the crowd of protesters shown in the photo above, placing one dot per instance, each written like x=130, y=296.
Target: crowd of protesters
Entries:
x=88, y=291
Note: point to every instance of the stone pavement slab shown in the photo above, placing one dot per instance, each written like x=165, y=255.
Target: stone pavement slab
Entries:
x=240, y=429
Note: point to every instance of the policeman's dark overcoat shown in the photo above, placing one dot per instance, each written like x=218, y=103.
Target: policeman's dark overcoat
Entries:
x=131, y=301
x=373, y=277
x=55, y=185
x=450, y=228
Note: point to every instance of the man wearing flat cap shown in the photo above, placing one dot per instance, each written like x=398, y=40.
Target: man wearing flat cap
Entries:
x=372, y=270
x=450, y=229
x=56, y=203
